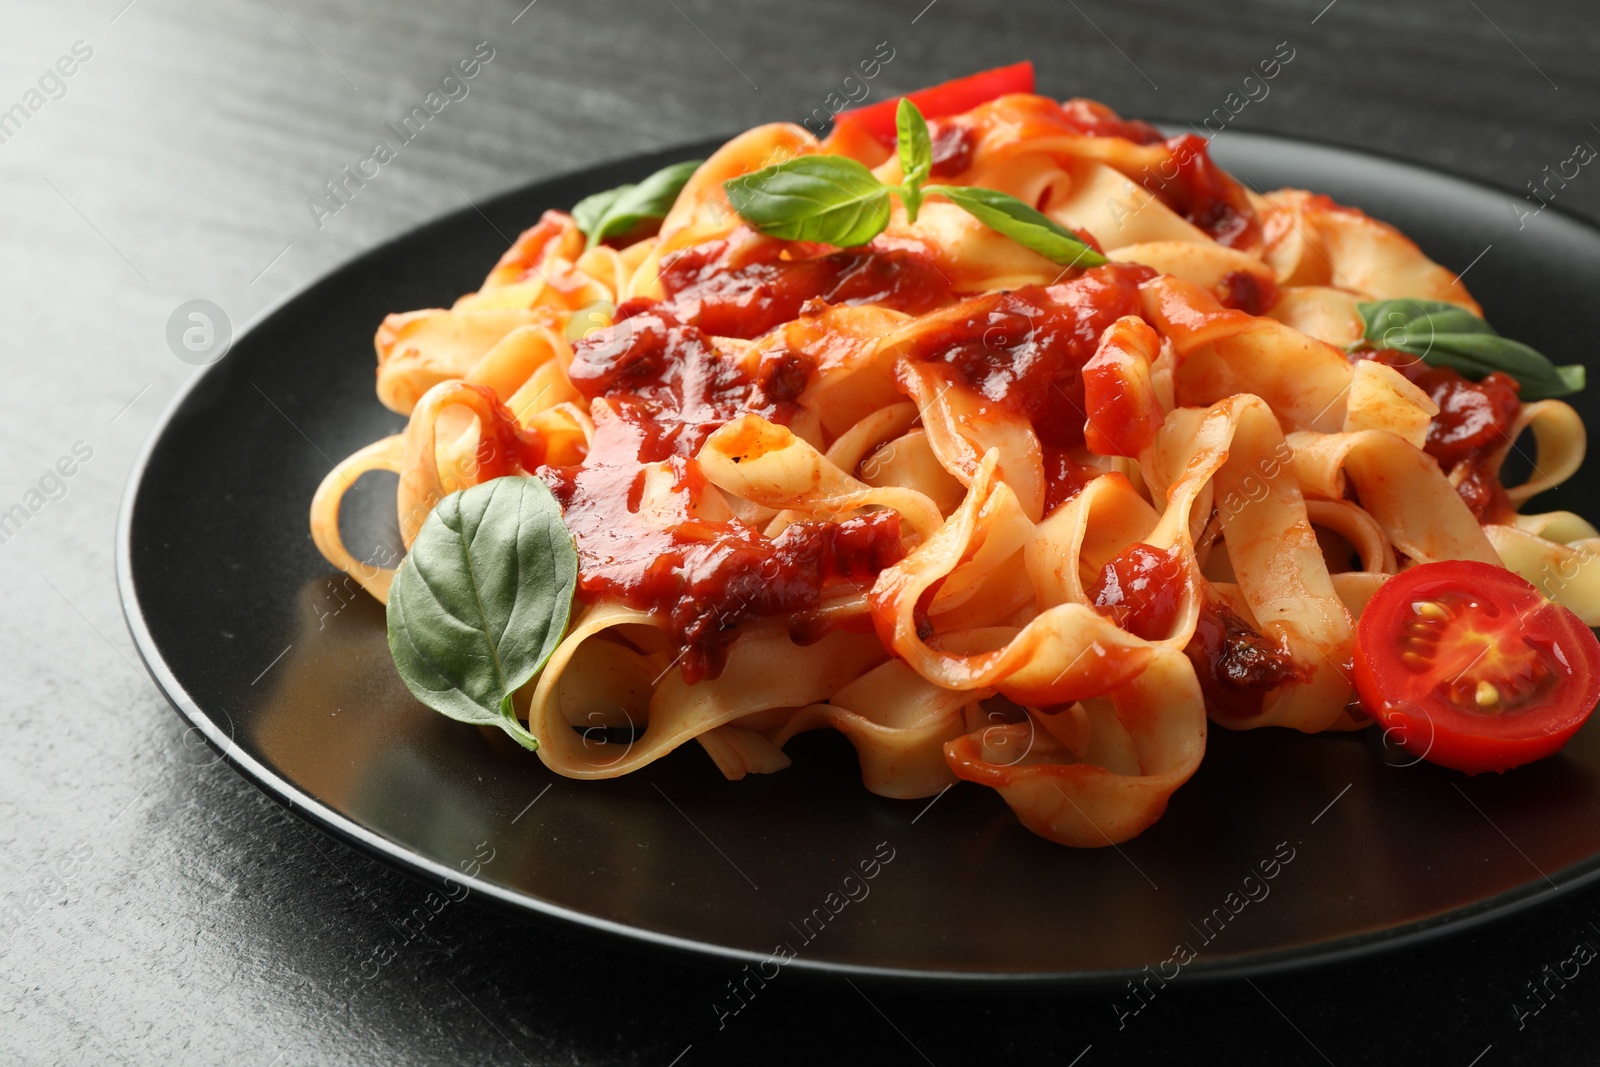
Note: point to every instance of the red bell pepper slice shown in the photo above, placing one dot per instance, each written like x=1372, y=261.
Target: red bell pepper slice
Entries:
x=948, y=98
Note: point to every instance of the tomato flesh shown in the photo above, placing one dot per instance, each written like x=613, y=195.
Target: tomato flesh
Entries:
x=947, y=98
x=1141, y=590
x=1468, y=666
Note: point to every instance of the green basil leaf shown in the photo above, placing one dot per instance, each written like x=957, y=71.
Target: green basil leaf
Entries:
x=589, y=211
x=916, y=155
x=1403, y=318
x=1446, y=335
x=1031, y=229
x=618, y=211
x=482, y=599
x=829, y=199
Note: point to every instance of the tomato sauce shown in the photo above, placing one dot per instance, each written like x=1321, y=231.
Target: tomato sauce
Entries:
x=1125, y=416
x=1246, y=292
x=1141, y=590
x=951, y=148
x=667, y=371
x=670, y=389
x=1474, y=421
x=1025, y=350
x=1094, y=119
x=1236, y=664
x=743, y=288
x=1064, y=477
x=1205, y=195
x=503, y=446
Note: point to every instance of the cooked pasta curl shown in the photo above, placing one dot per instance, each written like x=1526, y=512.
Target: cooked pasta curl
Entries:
x=988, y=519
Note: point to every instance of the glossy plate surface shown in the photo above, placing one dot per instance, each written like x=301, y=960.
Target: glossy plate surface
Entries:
x=283, y=666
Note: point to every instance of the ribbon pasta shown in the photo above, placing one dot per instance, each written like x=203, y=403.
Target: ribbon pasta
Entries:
x=885, y=490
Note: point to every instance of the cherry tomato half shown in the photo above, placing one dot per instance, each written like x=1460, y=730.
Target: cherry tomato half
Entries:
x=947, y=98
x=1468, y=666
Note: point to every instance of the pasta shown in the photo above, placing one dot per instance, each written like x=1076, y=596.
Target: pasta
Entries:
x=990, y=518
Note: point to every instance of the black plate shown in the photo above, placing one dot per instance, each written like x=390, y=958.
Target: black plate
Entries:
x=284, y=667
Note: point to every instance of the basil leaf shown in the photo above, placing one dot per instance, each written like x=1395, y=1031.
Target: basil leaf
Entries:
x=836, y=200
x=1446, y=335
x=589, y=211
x=1402, y=318
x=618, y=211
x=916, y=155
x=482, y=599
x=829, y=199
x=1031, y=229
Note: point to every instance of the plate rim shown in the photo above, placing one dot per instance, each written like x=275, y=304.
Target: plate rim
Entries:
x=573, y=922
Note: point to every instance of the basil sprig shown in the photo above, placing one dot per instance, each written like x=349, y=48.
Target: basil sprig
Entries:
x=836, y=200
x=616, y=212
x=1446, y=335
x=482, y=600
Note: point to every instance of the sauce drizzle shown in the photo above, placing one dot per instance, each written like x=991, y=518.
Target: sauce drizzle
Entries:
x=742, y=287
x=664, y=388
x=1025, y=350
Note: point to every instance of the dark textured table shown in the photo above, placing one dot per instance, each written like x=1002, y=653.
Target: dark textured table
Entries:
x=157, y=909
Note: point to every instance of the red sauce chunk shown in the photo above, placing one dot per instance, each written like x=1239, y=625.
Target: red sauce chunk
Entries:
x=1141, y=591
x=1094, y=119
x=1125, y=416
x=1474, y=422
x=681, y=387
x=1025, y=350
x=1237, y=665
x=1246, y=292
x=670, y=389
x=1064, y=477
x=504, y=447
x=951, y=148
x=743, y=288
x=1204, y=194
x=1474, y=417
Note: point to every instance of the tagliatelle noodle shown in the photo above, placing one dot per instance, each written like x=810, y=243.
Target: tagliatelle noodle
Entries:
x=879, y=436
